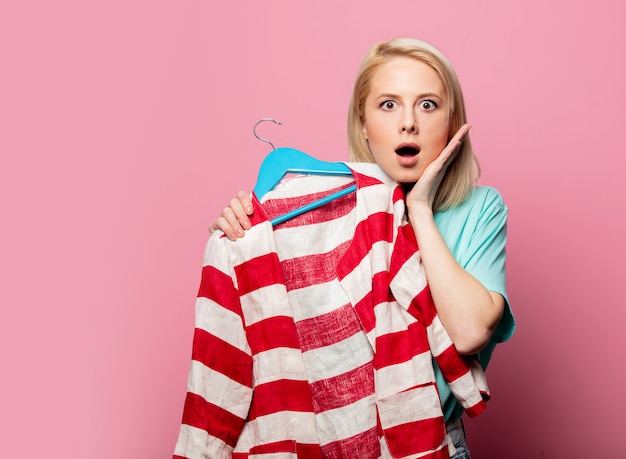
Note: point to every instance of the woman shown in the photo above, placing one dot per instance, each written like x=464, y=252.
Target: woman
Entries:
x=407, y=114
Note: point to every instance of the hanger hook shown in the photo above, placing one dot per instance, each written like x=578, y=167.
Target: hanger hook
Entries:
x=261, y=139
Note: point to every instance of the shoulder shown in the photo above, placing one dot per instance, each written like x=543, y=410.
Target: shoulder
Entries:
x=485, y=198
x=483, y=202
x=477, y=226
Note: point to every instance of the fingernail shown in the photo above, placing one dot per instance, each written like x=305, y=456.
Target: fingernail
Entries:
x=246, y=224
x=249, y=209
x=240, y=232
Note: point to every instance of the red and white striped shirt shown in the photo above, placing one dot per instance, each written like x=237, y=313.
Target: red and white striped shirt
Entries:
x=314, y=338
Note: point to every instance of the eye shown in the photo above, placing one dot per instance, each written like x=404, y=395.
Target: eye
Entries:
x=428, y=105
x=388, y=105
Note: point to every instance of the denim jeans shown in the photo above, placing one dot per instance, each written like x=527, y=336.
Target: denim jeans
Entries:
x=457, y=434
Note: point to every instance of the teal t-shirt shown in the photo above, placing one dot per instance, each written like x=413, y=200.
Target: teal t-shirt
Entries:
x=475, y=233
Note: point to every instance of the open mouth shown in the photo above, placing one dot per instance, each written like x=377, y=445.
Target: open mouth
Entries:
x=407, y=150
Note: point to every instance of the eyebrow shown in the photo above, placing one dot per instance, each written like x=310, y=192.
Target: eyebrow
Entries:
x=420, y=96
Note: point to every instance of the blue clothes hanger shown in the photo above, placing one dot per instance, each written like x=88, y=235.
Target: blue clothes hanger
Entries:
x=283, y=161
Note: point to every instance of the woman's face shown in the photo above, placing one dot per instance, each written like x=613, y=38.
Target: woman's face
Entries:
x=406, y=118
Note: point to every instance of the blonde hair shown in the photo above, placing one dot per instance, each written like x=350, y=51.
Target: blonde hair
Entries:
x=464, y=170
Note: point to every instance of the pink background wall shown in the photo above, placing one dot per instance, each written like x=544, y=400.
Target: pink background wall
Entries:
x=126, y=125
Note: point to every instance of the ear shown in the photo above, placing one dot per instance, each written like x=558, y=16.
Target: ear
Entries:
x=364, y=129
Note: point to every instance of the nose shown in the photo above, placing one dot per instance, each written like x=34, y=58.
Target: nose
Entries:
x=409, y=123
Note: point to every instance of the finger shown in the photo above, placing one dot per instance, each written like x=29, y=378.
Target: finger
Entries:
x=231, y=223
x=449, y=152
x=246, y=201
x=458, y=137
x=462, y=132
x=222, y=225
x=240, y=213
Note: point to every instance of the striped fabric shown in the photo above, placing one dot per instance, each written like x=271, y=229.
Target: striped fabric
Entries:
x=314, y=338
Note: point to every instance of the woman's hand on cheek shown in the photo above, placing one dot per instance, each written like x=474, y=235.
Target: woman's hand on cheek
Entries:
x=424, y=191
x=234, y=219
